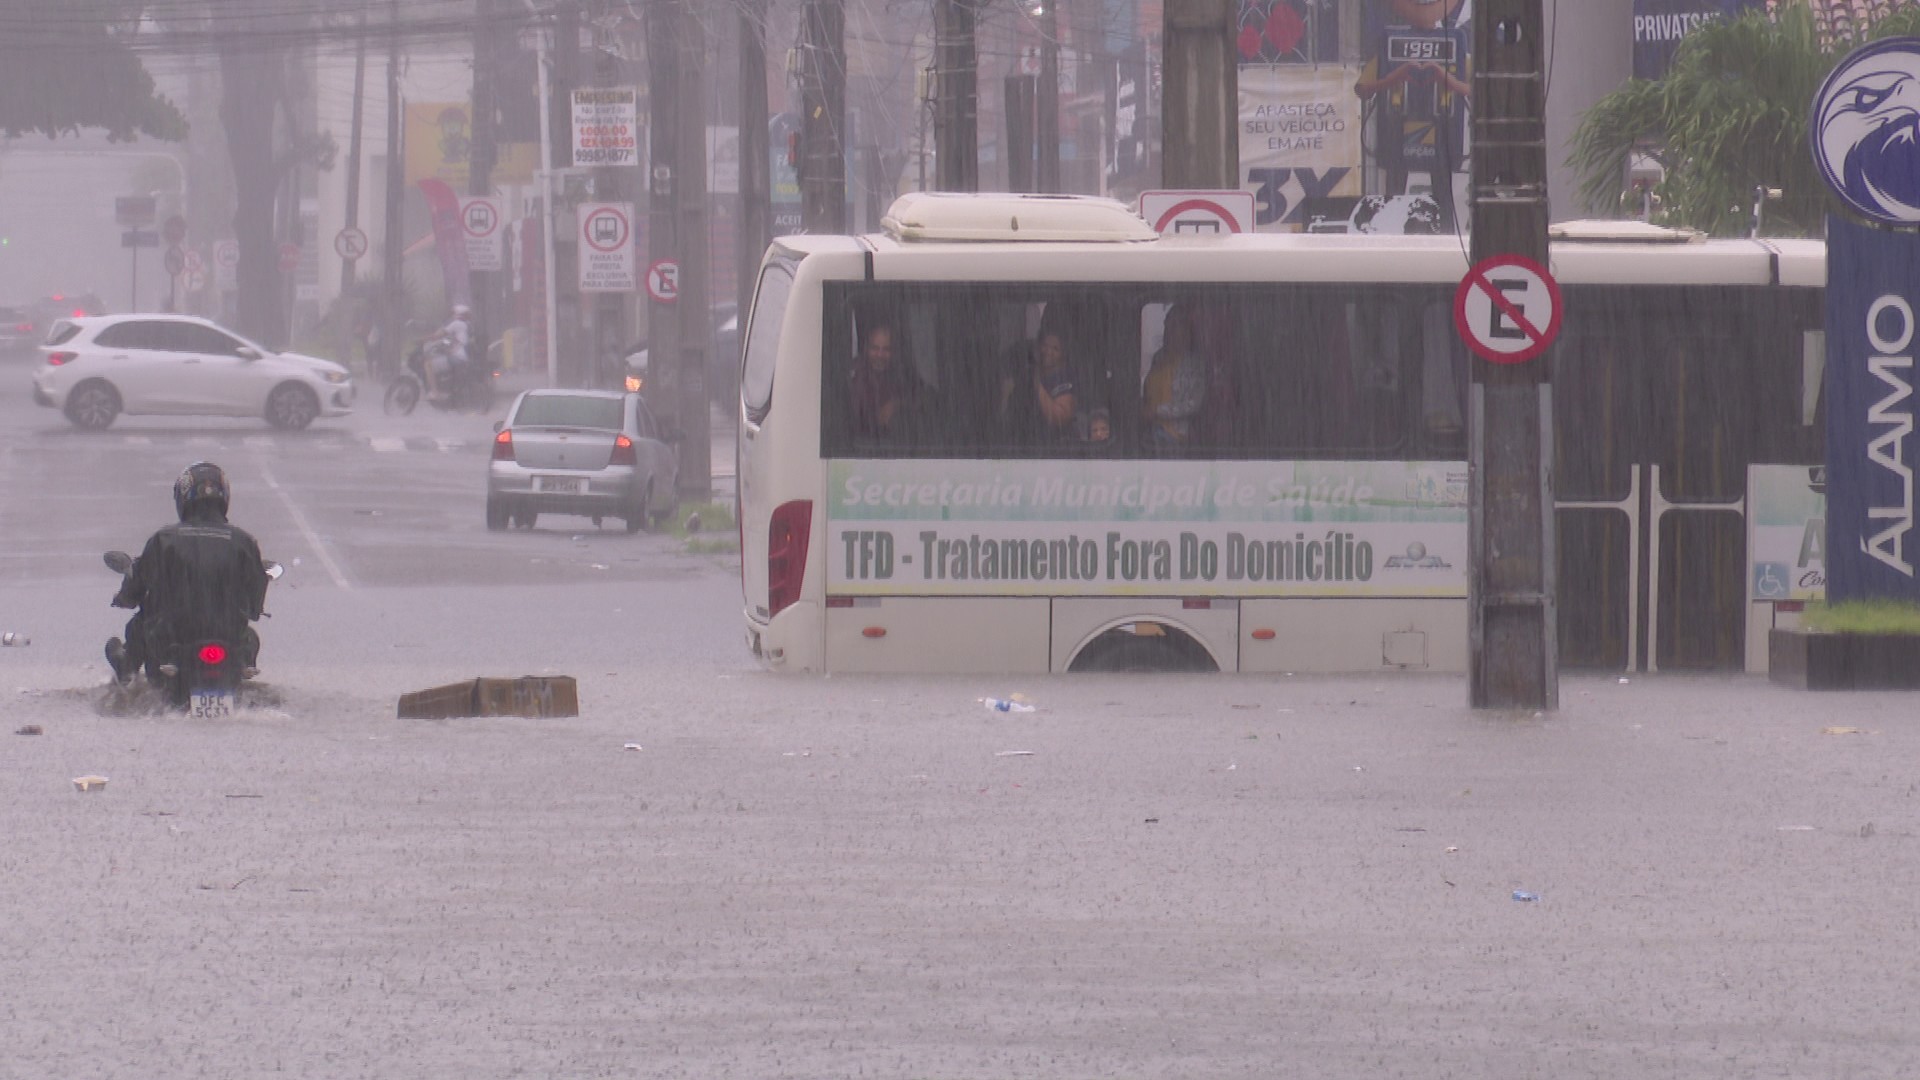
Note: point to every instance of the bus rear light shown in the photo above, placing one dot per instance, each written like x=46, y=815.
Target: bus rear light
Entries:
x=874, y=632
x=1191, y=604
x=1263, y=634
x=839, y=601
x=788, y=533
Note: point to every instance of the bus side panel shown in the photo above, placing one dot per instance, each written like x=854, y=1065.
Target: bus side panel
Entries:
x=1344, y=635
x=959, y=634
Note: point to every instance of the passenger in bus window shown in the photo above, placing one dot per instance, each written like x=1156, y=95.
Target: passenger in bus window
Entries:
x=1176, y=384
x=1037, y=396
x=1099, y=436
x=882, y=393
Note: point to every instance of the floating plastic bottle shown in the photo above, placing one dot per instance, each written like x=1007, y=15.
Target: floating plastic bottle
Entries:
x=1526, y=897
x=1003, y=705
x=11, y=639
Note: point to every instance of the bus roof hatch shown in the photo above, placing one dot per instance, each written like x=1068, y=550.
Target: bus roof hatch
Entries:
x=936, y=216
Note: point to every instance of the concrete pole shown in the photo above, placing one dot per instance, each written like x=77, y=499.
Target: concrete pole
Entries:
x=1201, y=96
x=956, y=118
x=823, y=118
x=1046, y=130
x=755, y=221
x=1513, y=613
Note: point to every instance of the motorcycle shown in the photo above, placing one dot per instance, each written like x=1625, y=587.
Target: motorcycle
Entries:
x=202, y=677
x=472, y=390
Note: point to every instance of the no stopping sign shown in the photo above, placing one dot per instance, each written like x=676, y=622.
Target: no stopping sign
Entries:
x=1508, y=309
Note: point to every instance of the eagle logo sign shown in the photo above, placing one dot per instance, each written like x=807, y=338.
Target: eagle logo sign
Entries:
x=1866, y=130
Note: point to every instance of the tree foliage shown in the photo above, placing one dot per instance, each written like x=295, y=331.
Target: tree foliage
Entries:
x=66, y=65
x=1730, y=116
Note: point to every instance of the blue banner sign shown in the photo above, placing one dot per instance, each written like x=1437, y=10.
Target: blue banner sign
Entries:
x=1873, y=289
x=1659, y=25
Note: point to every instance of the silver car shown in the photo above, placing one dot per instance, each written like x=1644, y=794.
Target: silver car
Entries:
x=596, y=453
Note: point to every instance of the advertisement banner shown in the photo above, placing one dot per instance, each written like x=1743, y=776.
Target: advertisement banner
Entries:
x=606, y=126
x=1415, y=87
x=1108, y=528
x=1787, y=537
x=449, y=239
x=1873, y=281
x=1299, y=139
x=439, y=146
x=1659, y=26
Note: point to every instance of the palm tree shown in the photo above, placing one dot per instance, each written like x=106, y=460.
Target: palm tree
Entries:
x=1730, y=116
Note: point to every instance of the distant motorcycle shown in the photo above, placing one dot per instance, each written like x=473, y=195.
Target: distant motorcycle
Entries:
x=472, y=390
x=202, y=677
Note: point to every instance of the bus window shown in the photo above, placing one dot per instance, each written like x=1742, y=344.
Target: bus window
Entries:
x=763, y=339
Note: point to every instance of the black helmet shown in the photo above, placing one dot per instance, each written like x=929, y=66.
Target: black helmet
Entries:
x=202, y=488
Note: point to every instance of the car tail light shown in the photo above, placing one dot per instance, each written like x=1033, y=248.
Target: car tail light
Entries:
x=23, y=327
x=213, y=655
x=55, y=359
x=787, y=537
x=79, y=313
x=503, y=446
x=623, y=452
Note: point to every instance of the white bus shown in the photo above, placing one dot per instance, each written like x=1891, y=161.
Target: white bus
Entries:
x=1026, y=434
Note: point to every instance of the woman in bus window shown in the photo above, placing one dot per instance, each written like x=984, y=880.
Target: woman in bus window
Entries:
x=883, y=395
x=1176, y=384
x=1045, y=404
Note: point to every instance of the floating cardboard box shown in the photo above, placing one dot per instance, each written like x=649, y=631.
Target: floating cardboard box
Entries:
x=533, y=695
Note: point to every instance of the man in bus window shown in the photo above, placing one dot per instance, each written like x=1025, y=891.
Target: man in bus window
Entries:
x=882, y=393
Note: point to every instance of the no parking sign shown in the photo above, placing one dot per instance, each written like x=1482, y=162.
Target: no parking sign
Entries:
x=1508, y=309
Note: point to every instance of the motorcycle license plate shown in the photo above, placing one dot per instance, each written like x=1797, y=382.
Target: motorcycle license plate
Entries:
x=210, y=705
x=569, y=485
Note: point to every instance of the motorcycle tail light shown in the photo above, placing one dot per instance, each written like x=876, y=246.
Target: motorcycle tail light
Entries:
x=623, y=452
x=55, y=359
x=213, y=655
x=503, y=446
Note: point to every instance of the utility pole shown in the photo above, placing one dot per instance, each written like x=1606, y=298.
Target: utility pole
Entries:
x=347, y=266
x=610, y=334
x=1512, y=630
x=956, y=118
x=755, y=220
x=1201, y=96
x=1047, y=104
x=823, y=118
x=480, y=161
x=392, y=318
x=549, y=157
x=679, y=334
x=1018, y=94
x=566, y=250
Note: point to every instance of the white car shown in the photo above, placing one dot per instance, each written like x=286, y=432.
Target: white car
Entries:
x=101, y=366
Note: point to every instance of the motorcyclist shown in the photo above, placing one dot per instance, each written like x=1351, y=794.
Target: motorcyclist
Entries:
x=198, y=580
x=452, y=341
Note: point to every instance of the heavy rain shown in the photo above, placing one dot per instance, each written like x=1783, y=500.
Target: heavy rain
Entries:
x=957, y=538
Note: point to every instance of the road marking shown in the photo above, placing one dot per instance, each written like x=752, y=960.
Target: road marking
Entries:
x=202, y=440
x=300, y=519
x=449, y=444
x=387, y=443
x=258, y=442
x=138, y=440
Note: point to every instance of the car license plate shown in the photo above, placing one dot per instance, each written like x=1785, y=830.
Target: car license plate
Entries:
x=210, y=705
x=568, y=485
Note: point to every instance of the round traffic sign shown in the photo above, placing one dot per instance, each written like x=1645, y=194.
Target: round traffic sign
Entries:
x=175, y=261
x=663, y=280
x=350, y=243
x=193, y=260
x=226, y=253
x=289, y=257
x=479, y=218
x=606, y=229
x=1508, y=309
